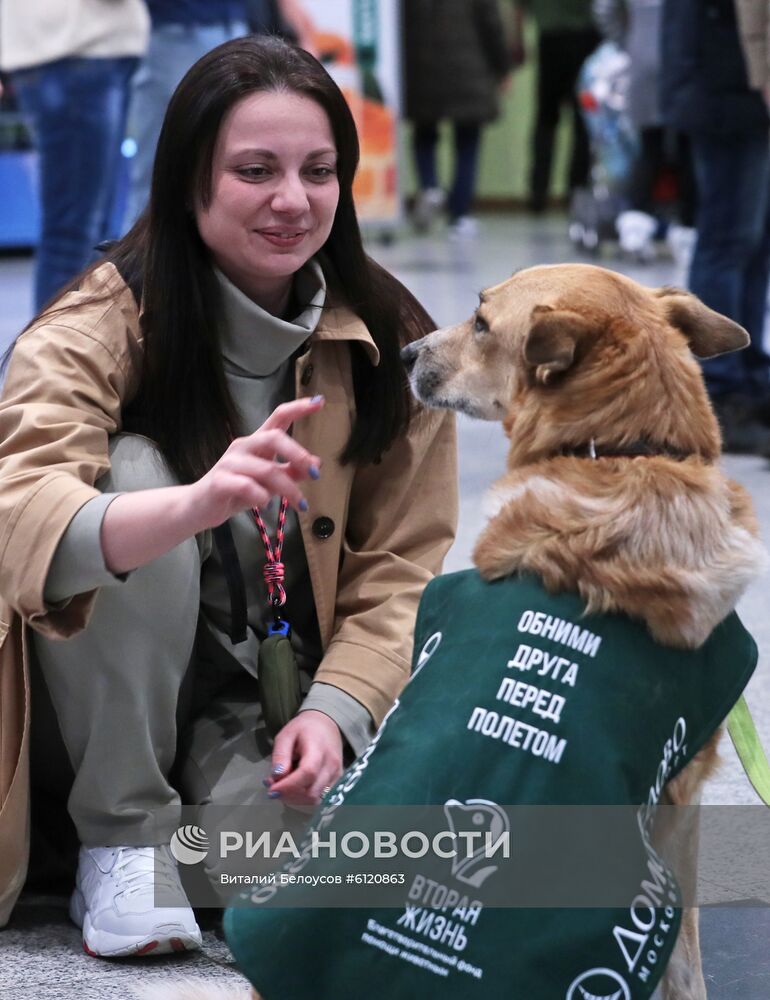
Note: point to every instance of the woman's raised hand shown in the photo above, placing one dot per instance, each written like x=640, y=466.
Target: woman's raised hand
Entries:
x=141, y=526
x=265, y=464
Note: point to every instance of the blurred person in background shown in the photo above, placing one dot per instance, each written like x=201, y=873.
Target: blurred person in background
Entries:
x=635, y=26
x=706, y=92
x=182, y=32
x=70, y=64
x=456, y=60
x=288, y=18
x=566, y=37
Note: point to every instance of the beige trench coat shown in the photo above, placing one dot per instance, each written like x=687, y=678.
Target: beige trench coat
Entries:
x=66, y=385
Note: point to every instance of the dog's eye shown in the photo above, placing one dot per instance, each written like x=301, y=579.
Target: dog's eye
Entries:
x=481, y=326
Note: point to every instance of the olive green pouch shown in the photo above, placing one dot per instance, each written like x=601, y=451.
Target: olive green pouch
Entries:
x=278, y=682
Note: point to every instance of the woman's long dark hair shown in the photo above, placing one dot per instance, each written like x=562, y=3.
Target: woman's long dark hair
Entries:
x=183, y=402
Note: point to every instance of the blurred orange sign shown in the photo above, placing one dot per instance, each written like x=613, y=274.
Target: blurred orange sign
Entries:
x=357, y=41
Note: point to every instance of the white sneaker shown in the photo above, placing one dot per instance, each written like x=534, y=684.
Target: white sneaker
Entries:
x=114, y=903
x=464, y=227
x=635, y=231
x=681, y=242
x=427, y=205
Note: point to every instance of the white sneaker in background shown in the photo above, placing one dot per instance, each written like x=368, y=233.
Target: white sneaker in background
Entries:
x=635, y=232
x=427, y=205
x=463, y=228
x=114, y=903
x=681, y=243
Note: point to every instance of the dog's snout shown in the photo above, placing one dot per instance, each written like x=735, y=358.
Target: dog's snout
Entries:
x=409, y=355
x=411, y=352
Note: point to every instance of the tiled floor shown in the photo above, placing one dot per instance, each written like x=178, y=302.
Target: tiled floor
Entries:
x=40, y=958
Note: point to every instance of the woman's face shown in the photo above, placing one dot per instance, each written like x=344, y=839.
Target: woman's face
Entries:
x=274, y=192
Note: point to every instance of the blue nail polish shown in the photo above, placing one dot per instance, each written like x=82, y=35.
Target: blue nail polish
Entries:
x=314, y=472
x=274, y=795
x=303, y=504
x=317, y=399
x=266, y=782
x=278, y=769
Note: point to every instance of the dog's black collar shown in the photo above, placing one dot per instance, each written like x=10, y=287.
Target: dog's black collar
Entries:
x=635, y=449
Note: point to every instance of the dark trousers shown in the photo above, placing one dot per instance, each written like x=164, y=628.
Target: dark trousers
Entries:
x=731, y=265
x=466, y=145
x=560, y=57
x=659, y=148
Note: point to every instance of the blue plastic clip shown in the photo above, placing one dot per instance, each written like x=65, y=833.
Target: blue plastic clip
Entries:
x=279, y=627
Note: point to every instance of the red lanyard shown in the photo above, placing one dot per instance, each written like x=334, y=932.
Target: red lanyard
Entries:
x=273, y=570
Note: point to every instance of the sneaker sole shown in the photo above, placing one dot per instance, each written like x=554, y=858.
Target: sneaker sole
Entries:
x=102, y=944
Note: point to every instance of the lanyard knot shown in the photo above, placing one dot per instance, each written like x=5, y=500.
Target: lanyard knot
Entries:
x=273, y=570
x=274, y=573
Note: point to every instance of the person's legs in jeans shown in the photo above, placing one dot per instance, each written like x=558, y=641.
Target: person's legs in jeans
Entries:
x=77, y=109
x=172, y=51
x=756, y=363
x=729, y=269
x=466, y=140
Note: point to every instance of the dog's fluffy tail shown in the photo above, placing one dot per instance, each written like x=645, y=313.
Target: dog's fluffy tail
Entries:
x=192, y=989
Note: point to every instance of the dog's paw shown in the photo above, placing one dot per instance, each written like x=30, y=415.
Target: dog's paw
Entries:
x=192, y=989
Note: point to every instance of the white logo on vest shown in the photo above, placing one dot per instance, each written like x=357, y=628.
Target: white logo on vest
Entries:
x=598, y=984
x=428, y=650
x=479, y=816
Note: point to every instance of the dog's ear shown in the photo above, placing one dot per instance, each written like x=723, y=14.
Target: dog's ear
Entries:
x=552, y=340
x=708, y=333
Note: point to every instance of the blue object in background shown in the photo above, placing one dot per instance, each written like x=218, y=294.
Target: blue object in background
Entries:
x=602, y=93
x=20, y=204
x=20, y=215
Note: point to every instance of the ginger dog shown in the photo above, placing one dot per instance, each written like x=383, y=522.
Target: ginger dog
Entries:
x=612, y=489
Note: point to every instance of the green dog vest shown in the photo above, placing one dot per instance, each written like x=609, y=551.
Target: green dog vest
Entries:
x=516, y=697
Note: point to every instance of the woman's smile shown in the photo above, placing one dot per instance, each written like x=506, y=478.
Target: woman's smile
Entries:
x=283, y=236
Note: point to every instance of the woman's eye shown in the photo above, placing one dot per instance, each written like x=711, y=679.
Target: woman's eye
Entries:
x=322, y=173
x=255, y=173
x=480, y=326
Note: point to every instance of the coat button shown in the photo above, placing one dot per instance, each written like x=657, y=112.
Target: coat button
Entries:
x=307, y=374
x=323, y=527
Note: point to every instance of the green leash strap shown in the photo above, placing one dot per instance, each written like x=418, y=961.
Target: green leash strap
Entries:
x=743, y=733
